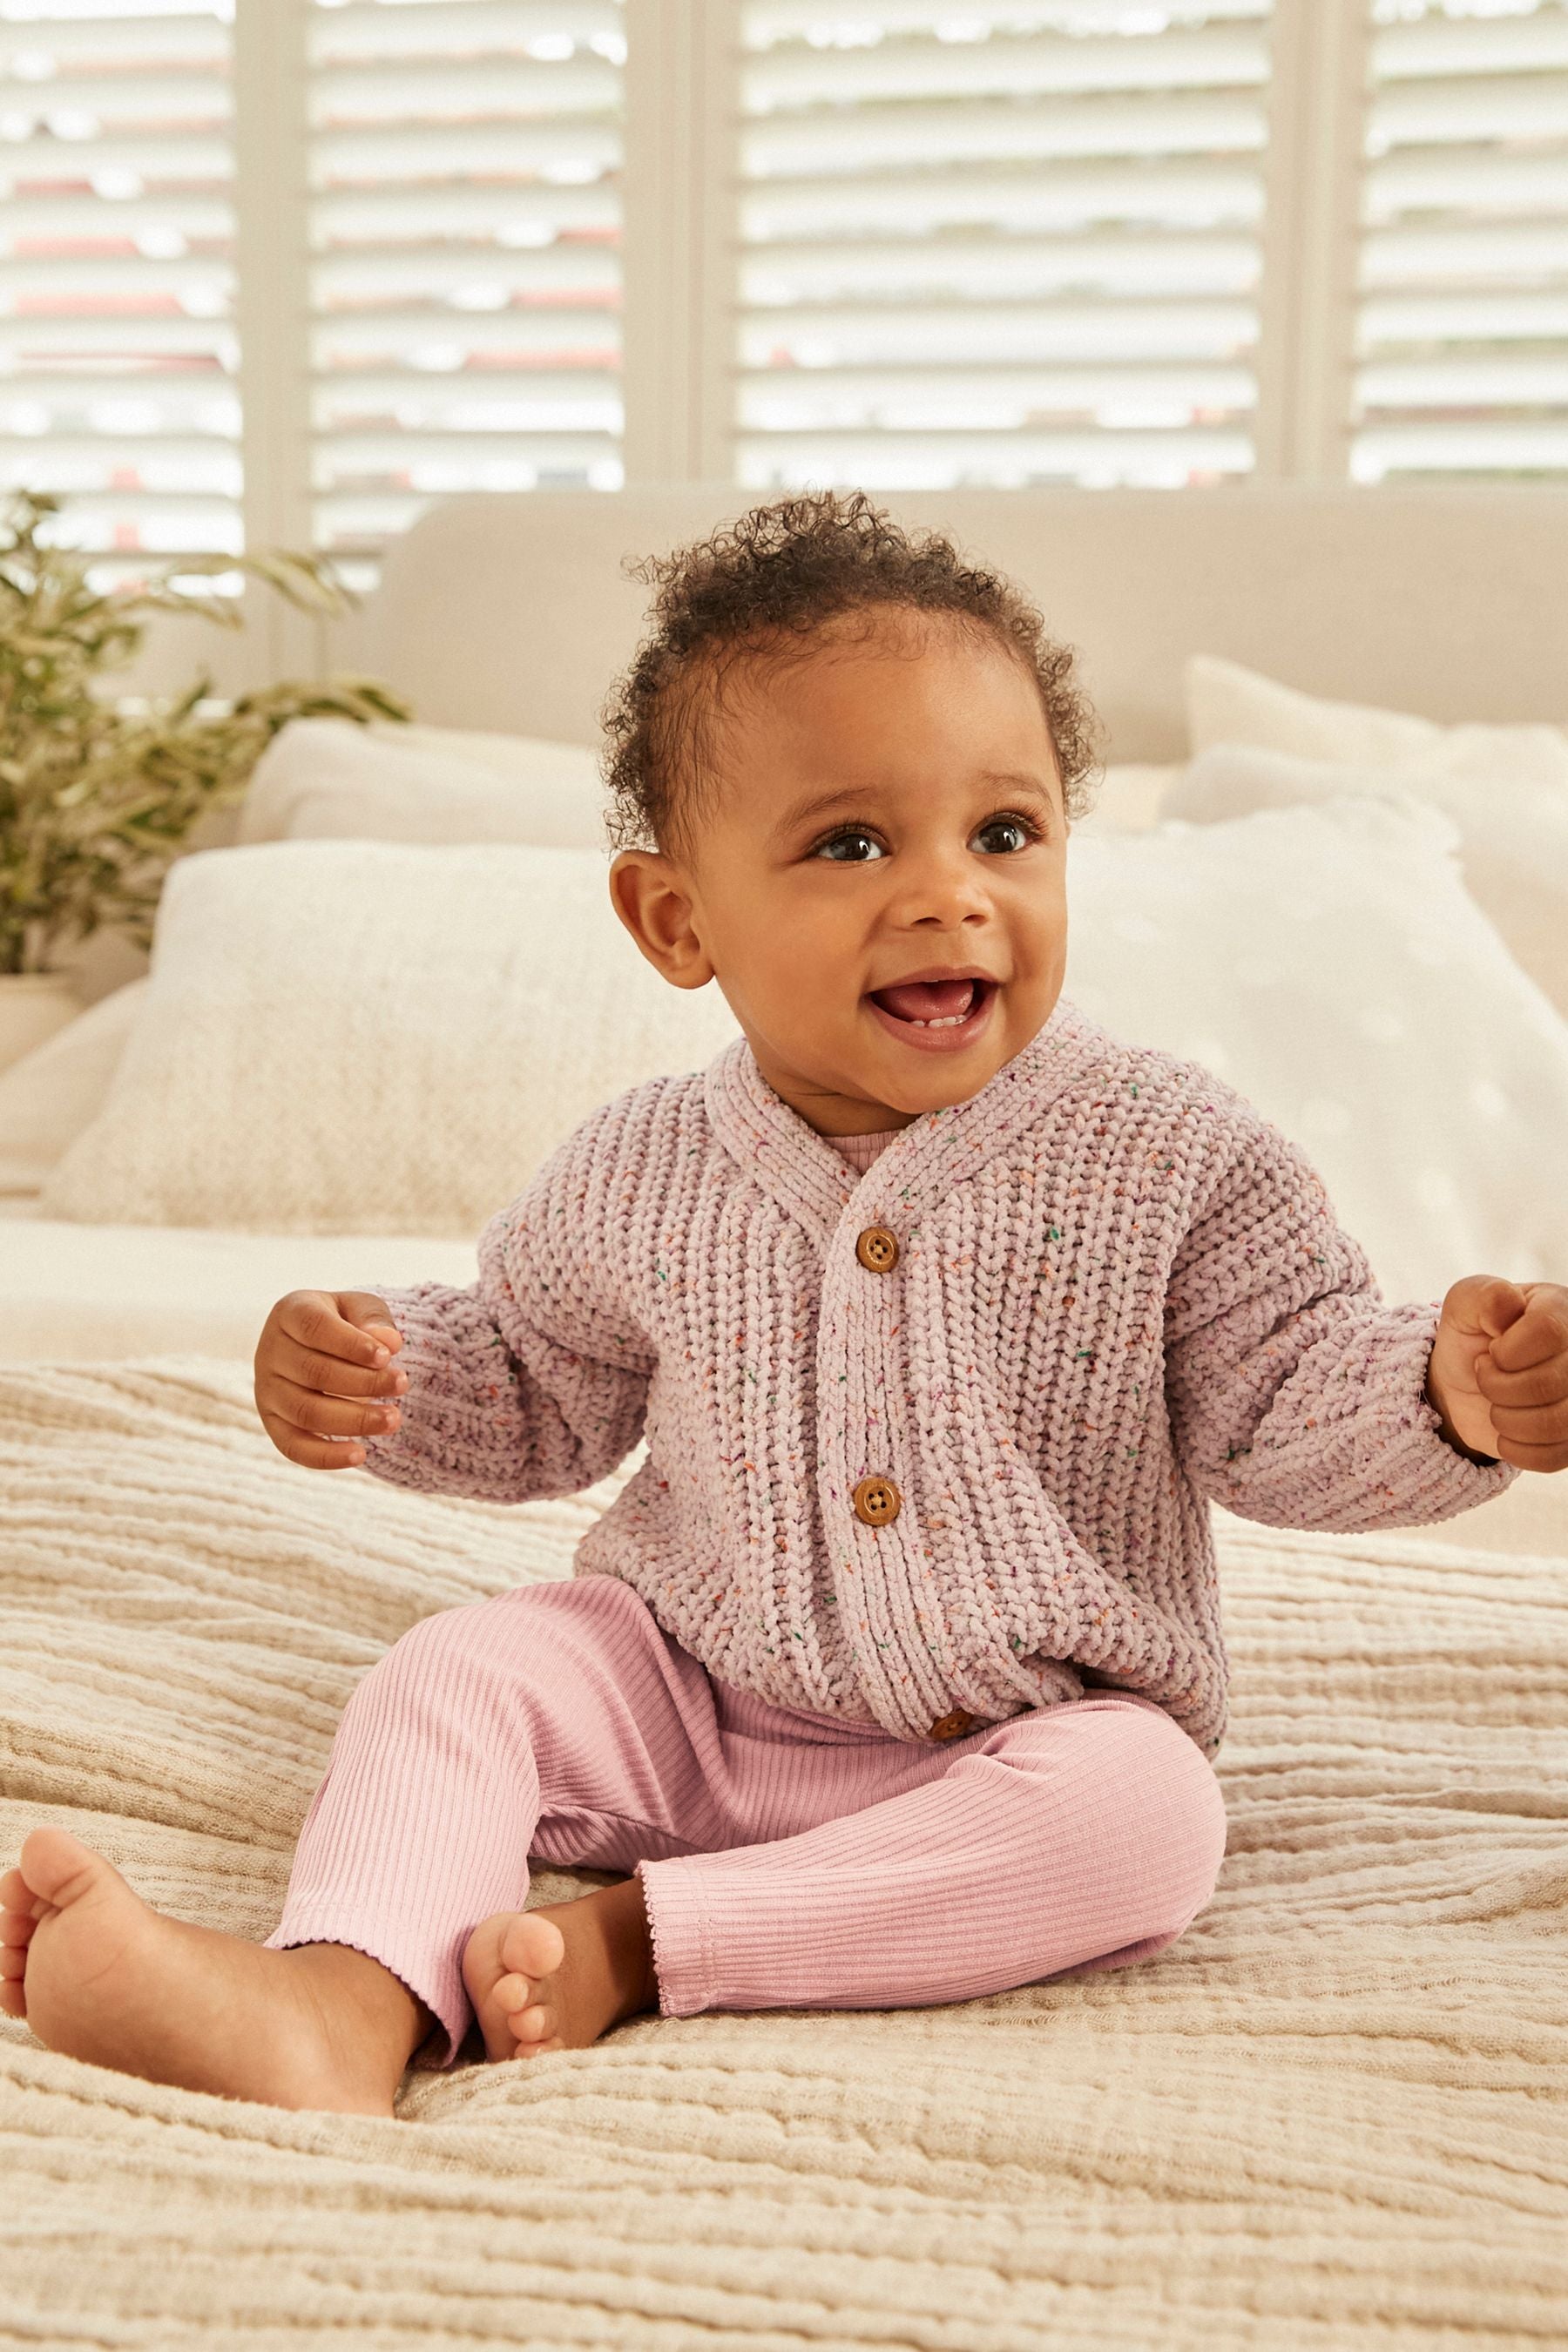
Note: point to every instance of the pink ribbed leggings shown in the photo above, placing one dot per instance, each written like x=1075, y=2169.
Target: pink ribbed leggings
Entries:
x=788, y=1860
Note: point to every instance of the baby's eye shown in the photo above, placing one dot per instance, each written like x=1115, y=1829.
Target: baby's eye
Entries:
x=1017, y=826
x=850, y=834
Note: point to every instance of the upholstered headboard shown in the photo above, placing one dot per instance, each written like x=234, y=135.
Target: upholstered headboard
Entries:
x=513, y=613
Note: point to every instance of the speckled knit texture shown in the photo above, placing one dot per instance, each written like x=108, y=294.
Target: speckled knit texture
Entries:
x=1120, y=1292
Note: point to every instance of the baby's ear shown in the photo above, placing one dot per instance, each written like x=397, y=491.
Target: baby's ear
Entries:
x=647, y=894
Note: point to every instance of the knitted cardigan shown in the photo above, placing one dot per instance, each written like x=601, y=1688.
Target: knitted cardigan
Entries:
x=1119, y=1293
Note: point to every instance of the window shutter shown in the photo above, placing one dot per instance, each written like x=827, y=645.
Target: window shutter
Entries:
x=1462, y=341
x=465, y=271
x=1000, y=244
x=119, y=385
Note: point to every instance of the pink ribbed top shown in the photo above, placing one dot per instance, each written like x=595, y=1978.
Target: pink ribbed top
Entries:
x=1120, y=1291
x=861, y=1149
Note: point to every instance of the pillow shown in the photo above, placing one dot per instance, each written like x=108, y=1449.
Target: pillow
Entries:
x=378, y=1038
x=373, y=1037
x=1329, y=963
x=329, y=779
x=48, y=1097
x=1514, y=839
x=1227, y=704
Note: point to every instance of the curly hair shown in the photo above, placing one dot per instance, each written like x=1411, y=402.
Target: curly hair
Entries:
x=760, y=592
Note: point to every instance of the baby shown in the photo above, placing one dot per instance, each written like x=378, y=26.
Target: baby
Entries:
x=895, y=1674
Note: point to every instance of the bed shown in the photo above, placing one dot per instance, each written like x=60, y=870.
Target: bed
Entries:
x=1331, y=2114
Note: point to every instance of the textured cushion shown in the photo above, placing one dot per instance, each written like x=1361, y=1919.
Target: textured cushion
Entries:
x=53, y=1093
x=1328, y=963
x=371, y=1037
x=1513, y=834
x=1228, y=704
x=328, y=779
x=376, y=1038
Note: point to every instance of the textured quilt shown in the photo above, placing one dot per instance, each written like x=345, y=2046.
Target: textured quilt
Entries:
x=1334, y=2113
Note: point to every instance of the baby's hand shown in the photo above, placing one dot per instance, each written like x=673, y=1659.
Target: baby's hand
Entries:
x=317, y=1368
x=1498, y=1372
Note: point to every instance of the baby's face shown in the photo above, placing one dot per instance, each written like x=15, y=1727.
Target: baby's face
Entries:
x=888, y=812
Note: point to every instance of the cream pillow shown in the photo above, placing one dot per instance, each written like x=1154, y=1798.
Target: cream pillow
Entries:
x=1514, y=840
x=373, y=1038
x=1329, y=963
x=53, y=1093
x=326, y=779
x=1228, y=704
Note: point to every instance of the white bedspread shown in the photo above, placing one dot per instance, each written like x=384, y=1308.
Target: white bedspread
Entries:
x=1332, y=2117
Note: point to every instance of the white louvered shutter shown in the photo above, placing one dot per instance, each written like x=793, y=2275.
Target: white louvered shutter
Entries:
x=1000, y=244
x=1462, y=324
x=464, y=273
x=117, y=353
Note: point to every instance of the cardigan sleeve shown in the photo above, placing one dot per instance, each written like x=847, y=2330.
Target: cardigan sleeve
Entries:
x=1297, y=1395
x=532, y=1381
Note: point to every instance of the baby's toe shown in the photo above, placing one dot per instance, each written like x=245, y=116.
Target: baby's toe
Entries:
x=536, y=2028
x=532, y=1946
x=512, y=1992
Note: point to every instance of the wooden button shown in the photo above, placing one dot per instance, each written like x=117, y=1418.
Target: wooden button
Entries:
x=877, y=1250
x=953, y=1725
x=876, y=1501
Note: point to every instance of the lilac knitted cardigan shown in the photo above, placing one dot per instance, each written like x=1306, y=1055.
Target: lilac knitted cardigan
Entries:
x=1119, y=1291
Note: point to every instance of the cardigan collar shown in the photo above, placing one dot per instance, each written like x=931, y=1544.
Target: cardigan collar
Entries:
x=814, y=1183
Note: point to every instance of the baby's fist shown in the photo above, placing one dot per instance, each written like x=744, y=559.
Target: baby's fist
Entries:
x=320, y=1386
x=1498, y=1373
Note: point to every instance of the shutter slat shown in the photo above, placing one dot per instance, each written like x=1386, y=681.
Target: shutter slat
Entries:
x=1038, y=331
x=411, y=335
x=1489, y=44
x=1462, y=324
x=1466, y=181
x=67, y=222
x=1176, y=193
x=768, y=21
x=370, y=218
x=475, y=277
x=465, y=28
x=980, y=269
x=1047, y=65
x=46, y=44
x=1203, y=124
x=1487, y=106
x=575, y=148
x=398, y=90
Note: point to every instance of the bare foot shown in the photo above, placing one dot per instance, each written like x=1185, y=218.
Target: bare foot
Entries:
x=557, y=1978
x=99, y=1975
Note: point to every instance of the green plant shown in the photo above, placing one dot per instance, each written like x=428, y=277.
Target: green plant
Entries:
x=97, y=796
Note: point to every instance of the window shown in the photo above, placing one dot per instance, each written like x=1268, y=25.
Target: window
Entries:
x=1000, y=244
x=283, y=271
x=118, y=358
x=1462, y=341
x=465, y=215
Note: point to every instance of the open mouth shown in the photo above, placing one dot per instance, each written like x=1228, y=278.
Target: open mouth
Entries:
x=942, y=1014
